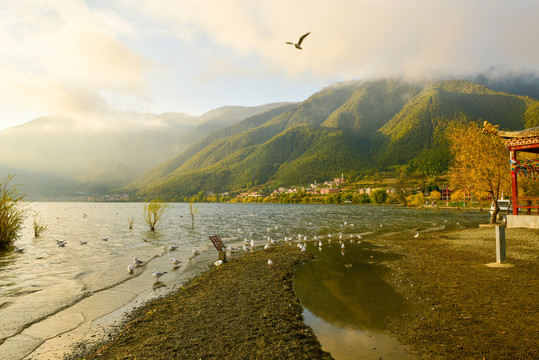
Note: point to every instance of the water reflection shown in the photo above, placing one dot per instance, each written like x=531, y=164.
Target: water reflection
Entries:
x=346, y=291
x=349, y=289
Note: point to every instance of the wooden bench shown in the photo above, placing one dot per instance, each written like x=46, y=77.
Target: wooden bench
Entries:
x=218, y=243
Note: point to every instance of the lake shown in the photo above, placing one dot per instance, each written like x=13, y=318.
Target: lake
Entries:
x=80, y=288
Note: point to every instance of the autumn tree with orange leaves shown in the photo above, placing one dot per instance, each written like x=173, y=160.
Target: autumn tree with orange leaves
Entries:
x=480, y=163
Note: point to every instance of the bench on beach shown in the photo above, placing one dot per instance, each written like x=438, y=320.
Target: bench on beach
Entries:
x=218, y=243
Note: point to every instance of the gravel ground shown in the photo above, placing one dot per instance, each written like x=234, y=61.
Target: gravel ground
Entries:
x=459, y=308
x=243, y=309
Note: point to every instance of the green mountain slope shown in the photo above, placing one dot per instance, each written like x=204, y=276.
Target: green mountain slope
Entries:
x=351, y=127
x=417, y=133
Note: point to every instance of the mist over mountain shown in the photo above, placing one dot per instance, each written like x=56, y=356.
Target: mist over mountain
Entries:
x=54, y=156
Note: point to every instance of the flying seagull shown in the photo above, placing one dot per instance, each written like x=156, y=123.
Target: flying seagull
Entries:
x=298, y=45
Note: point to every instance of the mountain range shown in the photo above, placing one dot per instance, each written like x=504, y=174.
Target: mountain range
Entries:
x=354, y=127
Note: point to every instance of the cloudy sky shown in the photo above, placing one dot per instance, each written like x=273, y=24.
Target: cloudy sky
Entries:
x=84, y=59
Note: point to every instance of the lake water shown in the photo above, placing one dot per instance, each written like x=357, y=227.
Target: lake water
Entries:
x=49, y=291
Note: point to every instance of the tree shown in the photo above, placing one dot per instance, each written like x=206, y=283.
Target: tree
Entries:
x=12, y=212
x=480, y=162
x=379, y=196
x=153, y=212
x=435, y=195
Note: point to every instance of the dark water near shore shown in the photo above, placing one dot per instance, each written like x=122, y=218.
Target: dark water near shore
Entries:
x=46, y=279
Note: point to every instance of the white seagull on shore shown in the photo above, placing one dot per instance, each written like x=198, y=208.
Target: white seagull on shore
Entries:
x=416, y=235
x=270, y=263
x=218, y=263
x=196, y=252
x=130, y=268
x=137, y=262
x=266, y=247
x=157, y=274
x=175, y=262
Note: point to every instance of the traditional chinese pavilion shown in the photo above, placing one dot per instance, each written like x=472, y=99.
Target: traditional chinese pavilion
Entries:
x=516, y=142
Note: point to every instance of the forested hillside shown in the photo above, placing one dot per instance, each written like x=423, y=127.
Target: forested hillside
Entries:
x=353, y=128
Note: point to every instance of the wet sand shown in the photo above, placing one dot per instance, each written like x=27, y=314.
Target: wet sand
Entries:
x=459, y=308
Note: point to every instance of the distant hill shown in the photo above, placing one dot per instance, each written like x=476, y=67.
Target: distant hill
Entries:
x=353, y=127
x=92, y=156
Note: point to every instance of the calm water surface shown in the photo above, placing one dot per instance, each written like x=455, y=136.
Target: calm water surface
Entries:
x=46, y=281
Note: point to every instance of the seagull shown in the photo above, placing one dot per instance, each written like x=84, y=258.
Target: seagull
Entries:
x=245, y=249
x=175, y=262
x=266, y=247
x=157, y=274
x=137, y=262
x=298, y=45
x=218, y=263
x=416, y=235
x=252, y=243
x=130, y=268
x=172, y=247
x=105, y=239
x=83, y=242
x=270, y=263
x=342, y=246
x=19, y=250
x=196, y=252
x=61, y=244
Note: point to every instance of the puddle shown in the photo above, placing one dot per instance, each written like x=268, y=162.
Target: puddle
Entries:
x=347, y=301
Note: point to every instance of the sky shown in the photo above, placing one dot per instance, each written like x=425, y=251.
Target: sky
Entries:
x=101, y=59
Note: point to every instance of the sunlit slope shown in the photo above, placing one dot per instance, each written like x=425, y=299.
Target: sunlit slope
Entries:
x=351, y=127
x=417, y=133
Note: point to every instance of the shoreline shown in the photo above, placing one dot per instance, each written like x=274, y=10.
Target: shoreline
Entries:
x=459, y=307
x=241, y=309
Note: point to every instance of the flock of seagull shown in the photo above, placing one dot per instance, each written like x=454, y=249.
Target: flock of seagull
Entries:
x=249, y=246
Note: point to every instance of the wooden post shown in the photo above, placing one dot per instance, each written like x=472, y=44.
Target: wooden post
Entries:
x=514, y=184
x=500, y=244
x=222, y=255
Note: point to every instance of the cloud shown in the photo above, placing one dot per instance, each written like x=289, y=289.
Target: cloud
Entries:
x=360, y=38
x=100, y=57
x=62, y=57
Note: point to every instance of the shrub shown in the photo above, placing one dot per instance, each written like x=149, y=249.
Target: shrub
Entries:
x=12, y=212
x=153, y=211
